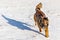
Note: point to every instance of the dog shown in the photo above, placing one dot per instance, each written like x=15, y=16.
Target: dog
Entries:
x=41, y=20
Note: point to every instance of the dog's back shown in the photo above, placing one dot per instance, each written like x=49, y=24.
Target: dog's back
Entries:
x=38, y=14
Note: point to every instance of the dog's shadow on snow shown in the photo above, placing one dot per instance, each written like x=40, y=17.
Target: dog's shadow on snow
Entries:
x=20, y=25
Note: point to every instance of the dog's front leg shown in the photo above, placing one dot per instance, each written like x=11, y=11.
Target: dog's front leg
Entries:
x=46, y=32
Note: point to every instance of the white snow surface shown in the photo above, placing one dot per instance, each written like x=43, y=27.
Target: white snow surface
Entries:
x=17, y=23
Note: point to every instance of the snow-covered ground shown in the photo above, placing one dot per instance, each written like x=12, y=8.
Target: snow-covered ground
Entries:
x=17, y=23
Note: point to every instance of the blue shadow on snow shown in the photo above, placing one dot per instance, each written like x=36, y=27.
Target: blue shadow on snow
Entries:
x=20, y=25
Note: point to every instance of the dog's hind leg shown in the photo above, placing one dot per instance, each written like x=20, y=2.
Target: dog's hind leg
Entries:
x=40, y=29
x=35, y=19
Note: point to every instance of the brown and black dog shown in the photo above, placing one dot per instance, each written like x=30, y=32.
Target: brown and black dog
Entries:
x=41, y=20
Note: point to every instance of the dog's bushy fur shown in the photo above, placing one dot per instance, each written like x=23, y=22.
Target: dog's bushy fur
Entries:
x=41, y=22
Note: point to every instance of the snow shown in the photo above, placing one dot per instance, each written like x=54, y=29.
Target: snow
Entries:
x=17, y=23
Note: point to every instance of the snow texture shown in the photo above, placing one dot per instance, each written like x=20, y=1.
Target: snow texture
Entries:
x=17, y=23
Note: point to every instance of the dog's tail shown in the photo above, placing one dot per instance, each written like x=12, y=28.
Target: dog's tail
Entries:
x=39, y=6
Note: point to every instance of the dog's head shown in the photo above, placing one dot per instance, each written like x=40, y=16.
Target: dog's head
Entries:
x=46, y=18
x=46, y=21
